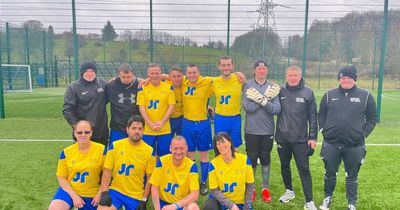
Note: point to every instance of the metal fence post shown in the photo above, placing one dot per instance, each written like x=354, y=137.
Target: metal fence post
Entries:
x=305, y=41
x=382, y=62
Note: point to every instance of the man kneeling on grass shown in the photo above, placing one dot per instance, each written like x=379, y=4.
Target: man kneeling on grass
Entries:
x=175, y=183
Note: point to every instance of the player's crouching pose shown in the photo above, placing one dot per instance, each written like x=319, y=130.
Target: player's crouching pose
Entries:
x=127, y=162
x=231, y=179
x=78, y=171
x=175, y=183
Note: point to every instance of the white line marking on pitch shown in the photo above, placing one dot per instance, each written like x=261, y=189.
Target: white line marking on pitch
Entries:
x=70, y=140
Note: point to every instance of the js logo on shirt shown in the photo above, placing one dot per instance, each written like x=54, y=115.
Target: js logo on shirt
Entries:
x=225, y=99
x=80, y=176
x=171, y=188
x=153, y=104
x=126, y=169
x=190, y=91
x=229, y=188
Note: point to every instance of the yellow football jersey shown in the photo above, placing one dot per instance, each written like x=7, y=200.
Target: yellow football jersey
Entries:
x=175, y=182
x=231, y=178
x=156, y=101
x=129, y=164
x=178, y=111
x=82, y=170
x=228, y=95
x=195, y=98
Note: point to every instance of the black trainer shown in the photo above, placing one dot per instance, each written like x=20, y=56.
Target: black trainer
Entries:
x=203, y=188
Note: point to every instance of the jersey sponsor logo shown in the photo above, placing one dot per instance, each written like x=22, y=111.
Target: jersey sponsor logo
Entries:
x=229, y=187
x=171, y=188
x=126, y=169
x=190, y=91
x=122, y=98
x=84, y=93
x=283, y=97
x=80, y=177
x=153, y=104
x=225, y=99
x=356, y=100
x=335, y=99
x=300, y=100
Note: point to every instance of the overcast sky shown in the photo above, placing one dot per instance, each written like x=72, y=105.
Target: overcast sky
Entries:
x=200, y=20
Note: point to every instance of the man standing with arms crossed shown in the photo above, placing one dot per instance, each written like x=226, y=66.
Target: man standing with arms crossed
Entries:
x=156, y=101
x=121, y=94
x=347, y=116
x=175, y=183
x=227, y=89
x=296, y=133
x=261, y=104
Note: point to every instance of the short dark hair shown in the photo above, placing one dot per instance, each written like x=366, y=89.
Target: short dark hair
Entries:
x=175, y=68
x=219, y=137
x=82, y=121
x=152, y=65
x=225, y=57
x=125, y=67
x=135, y=118
x=190, y=65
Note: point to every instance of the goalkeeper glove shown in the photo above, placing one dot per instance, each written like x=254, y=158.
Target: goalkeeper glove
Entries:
x=272, y=91
x=256, y=96
x=105, y=199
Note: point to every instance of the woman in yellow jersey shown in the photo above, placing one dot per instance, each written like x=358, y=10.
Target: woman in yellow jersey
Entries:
x=231, y=179
x=78, y=171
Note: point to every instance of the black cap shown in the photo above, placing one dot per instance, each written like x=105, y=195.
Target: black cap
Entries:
x=260, y=63
x=88, y=65
x=348, y=71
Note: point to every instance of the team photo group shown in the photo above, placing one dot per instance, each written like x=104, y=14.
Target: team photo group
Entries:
x=161, y=124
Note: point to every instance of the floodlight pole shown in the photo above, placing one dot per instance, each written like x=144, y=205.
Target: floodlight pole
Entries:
x=2, y=112
x=382, y=61
x=76, y=49
x=303, y=69
x=229, y=27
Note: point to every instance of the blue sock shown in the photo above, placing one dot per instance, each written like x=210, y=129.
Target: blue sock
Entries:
x=204, y=171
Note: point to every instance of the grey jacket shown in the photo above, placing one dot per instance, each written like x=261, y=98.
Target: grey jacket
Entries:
x=259, y=119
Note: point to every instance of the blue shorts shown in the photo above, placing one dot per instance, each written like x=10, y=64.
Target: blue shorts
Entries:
x=62, y=195
x=116, y=135
x=176, y=125
x=231, y=125
x=159, y=143
x=119, y=199
x=197, y=134
x=163, y=203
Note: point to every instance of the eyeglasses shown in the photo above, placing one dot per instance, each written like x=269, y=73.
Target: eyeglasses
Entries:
x=83, y=132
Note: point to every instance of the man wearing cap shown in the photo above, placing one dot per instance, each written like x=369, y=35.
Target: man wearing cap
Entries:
x=296, y=133
x=347, y=117
x=261, y=104
x=122, y=94
x=85, y=99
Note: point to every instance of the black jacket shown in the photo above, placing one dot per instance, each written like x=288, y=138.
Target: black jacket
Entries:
x=85, y=100
x=297, y=121
x=347, y=117
x=122, y=99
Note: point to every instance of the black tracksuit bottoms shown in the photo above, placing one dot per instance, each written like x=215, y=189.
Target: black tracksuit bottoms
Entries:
x=298, y=150
x=353, y=158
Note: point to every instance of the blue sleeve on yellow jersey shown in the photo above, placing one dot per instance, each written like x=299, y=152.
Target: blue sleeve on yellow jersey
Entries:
x=172, y=88
x=62, y=155
x=158, y=164
x=194, y=169
x=105, y=151
x=211, y=167
x=248, y=162
x=140, y=89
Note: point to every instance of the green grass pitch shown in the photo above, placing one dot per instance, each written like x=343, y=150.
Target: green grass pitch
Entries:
x=28, y=169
